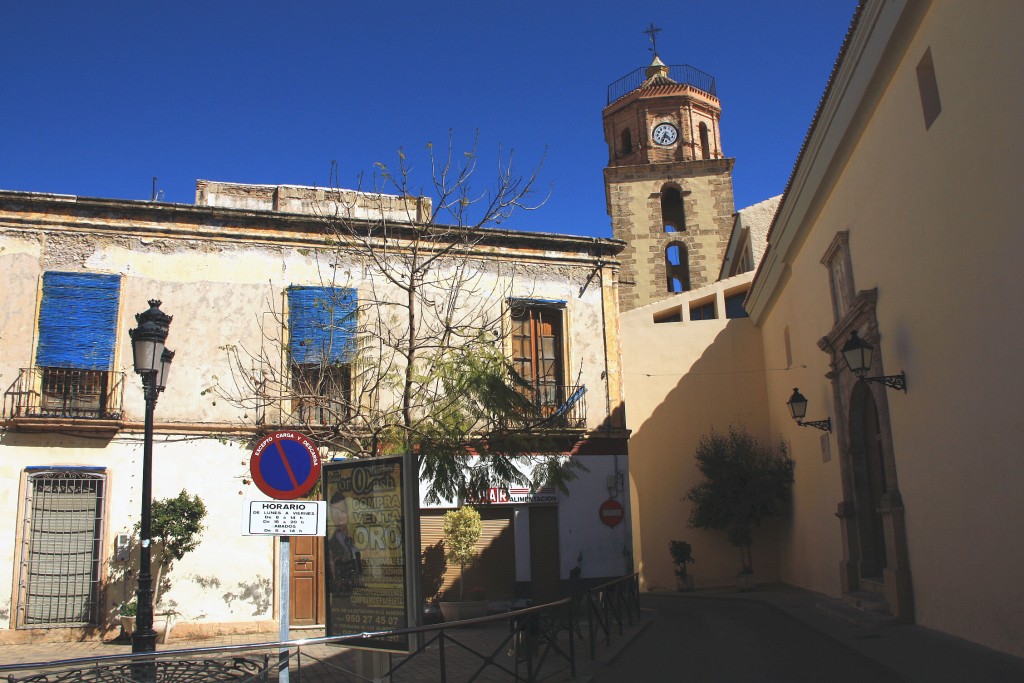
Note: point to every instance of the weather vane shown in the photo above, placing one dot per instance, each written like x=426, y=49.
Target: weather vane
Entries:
x=653, y=32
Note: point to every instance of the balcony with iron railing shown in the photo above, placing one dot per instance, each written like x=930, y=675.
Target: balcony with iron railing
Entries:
x=556, y=406
x=42, y=396
x=680, y=73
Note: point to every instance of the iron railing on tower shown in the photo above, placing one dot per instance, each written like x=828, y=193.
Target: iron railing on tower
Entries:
x=680, y=73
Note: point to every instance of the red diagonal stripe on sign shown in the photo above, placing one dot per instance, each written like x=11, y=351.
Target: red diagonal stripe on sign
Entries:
x=287, y=465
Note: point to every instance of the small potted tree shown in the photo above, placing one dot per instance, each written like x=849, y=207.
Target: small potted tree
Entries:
x=176, y=526
x=462, y=529
x=682, y=555
x=127, y=614
x=745, y=482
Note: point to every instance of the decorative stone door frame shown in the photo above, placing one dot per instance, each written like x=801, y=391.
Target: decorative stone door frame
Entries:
x=858, y=312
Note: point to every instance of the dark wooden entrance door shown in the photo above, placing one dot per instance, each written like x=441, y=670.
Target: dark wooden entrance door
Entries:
x=874, y=466
x=307, y=581
x=545, y=567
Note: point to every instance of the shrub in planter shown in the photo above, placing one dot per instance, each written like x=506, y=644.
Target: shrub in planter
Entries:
x=745, y=482
x=130, y=608
x=682, y=555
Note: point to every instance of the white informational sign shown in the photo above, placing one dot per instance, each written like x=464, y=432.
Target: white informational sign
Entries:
x=285, y=518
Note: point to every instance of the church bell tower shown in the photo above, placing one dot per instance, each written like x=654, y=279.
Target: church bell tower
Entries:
x=668, y=185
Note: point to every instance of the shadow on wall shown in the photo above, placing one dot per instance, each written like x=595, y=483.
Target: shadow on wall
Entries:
x=96, y=441
x=724, y=386
x=491, y=574
x=433, y=566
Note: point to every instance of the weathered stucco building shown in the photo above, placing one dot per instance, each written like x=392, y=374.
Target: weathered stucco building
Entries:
x=235, y=271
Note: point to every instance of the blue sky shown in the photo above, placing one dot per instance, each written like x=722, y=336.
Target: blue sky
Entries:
x=99, y=97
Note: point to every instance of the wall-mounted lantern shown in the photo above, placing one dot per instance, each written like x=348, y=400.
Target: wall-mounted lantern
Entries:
x=798, y=409
x=858, y=353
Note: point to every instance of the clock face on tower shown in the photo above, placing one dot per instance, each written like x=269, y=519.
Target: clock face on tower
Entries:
x=665, y=134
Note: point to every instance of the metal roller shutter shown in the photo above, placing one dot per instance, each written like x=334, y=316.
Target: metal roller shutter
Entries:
x=495, y=567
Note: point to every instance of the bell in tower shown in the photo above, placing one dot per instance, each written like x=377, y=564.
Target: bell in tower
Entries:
x=668, y=186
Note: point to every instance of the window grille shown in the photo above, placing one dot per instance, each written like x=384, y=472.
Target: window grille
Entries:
x=61, y=548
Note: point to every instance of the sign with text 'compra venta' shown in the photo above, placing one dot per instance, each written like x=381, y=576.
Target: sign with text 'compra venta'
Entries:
x=366, y=552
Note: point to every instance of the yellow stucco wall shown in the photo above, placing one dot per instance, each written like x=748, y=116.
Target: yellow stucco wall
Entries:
x=684, y=379
x=931, y=221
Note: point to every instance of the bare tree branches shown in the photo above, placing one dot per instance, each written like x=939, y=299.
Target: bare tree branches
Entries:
x=428, y=371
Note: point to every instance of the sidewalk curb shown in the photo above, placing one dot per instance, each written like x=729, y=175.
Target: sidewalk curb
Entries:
x=607, y=657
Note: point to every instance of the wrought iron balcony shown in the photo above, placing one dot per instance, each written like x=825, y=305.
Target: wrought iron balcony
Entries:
x=558, y=406
x=41, y=392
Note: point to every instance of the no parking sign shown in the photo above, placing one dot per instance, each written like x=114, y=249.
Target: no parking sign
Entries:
x=285, y=465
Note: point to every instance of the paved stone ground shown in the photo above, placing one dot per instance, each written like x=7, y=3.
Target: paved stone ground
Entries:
x=776, y=633
x=466, y=651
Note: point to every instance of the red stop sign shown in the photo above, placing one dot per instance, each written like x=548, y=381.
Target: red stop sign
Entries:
x=611, y=512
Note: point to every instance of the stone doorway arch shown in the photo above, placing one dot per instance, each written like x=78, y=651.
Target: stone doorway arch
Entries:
x=871, y=513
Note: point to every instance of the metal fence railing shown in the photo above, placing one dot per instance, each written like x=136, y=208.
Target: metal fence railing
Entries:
x=537, y=643
x=680, y=73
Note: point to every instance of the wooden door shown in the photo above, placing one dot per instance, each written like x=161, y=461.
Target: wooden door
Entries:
x=307, y=581
x=545, y=566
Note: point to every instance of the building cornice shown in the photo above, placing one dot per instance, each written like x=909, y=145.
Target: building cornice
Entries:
x=670, y=169
x=126, y=218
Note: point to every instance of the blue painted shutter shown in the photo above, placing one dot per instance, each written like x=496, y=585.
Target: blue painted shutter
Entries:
x=78, y=320
x=322, y=322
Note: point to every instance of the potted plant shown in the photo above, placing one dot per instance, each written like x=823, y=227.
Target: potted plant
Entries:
x=176, y=527
x=682, y=555
x=462, y=528
x=745, y=482
x=127, y=613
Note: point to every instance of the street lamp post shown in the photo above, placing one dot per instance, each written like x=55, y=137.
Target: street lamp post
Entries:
x=153, y=363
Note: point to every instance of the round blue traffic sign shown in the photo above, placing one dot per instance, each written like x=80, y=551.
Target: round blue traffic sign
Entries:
x=285, y=465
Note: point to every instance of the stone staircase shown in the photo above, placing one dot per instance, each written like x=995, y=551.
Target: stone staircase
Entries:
x=866, y=607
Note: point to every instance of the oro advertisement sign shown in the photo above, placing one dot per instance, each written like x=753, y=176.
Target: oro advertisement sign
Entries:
x=365, y=551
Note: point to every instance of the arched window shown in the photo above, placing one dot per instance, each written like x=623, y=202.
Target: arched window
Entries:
x=705, y=148
x=626, y=142
x=672, y=215
x=677, y=267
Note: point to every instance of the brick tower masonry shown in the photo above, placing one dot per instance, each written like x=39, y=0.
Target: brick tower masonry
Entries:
x=668, y=187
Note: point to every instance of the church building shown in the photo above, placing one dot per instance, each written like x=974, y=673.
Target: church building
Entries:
x=876, y=290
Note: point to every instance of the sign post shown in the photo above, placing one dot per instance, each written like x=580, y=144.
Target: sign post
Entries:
x=285, y=607
x=285, y=466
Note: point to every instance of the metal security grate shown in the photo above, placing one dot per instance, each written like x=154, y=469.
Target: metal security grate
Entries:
x=61, y=548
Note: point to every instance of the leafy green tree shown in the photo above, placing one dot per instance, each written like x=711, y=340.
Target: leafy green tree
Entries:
x=176, y=526
x=745, y=482
x=462, y=529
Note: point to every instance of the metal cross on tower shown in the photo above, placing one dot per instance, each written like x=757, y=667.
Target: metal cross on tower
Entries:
x=652, y=31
